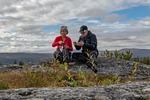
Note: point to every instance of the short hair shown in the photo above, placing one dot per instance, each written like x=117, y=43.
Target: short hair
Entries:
x=64, y=28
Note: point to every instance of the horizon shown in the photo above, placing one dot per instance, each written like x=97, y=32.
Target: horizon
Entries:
x=32, y=25
x=77, y=51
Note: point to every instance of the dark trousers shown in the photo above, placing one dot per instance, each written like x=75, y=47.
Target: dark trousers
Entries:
x=62, y=56
x=83, y=57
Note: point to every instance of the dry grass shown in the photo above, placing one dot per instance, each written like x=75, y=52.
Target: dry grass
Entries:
x=55, y=77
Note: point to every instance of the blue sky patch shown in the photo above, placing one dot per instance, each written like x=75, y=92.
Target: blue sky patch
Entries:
x=135, y=13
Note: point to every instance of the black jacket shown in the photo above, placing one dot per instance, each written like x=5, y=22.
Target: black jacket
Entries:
x=90, y=42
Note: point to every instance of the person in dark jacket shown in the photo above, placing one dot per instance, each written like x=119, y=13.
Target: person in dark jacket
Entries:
x=88, y=43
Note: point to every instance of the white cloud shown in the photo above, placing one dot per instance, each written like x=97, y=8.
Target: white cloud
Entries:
x=132, y=37
x=93, y=21
x=21, y=23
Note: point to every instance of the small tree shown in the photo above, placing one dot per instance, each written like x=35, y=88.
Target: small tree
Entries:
x=21, y=63
x=127, y=55
x=116, y=54
x=15, y=62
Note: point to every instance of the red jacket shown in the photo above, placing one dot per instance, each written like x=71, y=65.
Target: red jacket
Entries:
x=67, y=42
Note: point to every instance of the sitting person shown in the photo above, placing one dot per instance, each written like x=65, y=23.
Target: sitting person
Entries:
x=88, y=42
x=64, y=46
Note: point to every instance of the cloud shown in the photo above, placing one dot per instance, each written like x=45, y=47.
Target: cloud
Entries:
x=93, y=21
x=22, y=22
x=112, y=18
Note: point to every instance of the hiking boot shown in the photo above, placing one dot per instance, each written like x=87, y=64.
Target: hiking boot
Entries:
x=70, y=62
x=59, y=59
x=95, y=71
x=92, y=66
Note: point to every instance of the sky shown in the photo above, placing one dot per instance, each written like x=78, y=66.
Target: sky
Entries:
x=32, y=25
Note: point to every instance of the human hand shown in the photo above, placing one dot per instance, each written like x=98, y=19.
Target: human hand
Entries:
x=81, y=43
x=66, y=47
x=61, y=42
x=74, y=43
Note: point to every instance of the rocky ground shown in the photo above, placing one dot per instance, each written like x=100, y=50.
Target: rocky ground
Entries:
x=121, y=67
x=129, y=91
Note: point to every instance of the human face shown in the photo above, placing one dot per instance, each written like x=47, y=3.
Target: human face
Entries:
x=84, y=33
x=63, y=32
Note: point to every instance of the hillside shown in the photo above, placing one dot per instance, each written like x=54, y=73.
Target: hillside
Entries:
x=8, y=58
x=138, y=52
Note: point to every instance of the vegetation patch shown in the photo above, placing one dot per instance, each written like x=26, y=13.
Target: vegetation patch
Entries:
x=127, y=55
x=56, y=75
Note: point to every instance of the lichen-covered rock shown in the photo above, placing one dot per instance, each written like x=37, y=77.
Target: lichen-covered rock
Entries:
x=123, y=68
x=105, y=65
x=132, y=91
x=126, y=91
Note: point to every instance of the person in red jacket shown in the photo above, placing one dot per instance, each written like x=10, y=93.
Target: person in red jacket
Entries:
x=64, y=46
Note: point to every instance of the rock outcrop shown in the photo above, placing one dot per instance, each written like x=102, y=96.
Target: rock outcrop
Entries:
x=127, y=91
x=123, y=68
x=131, y=91
x=105, y=65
